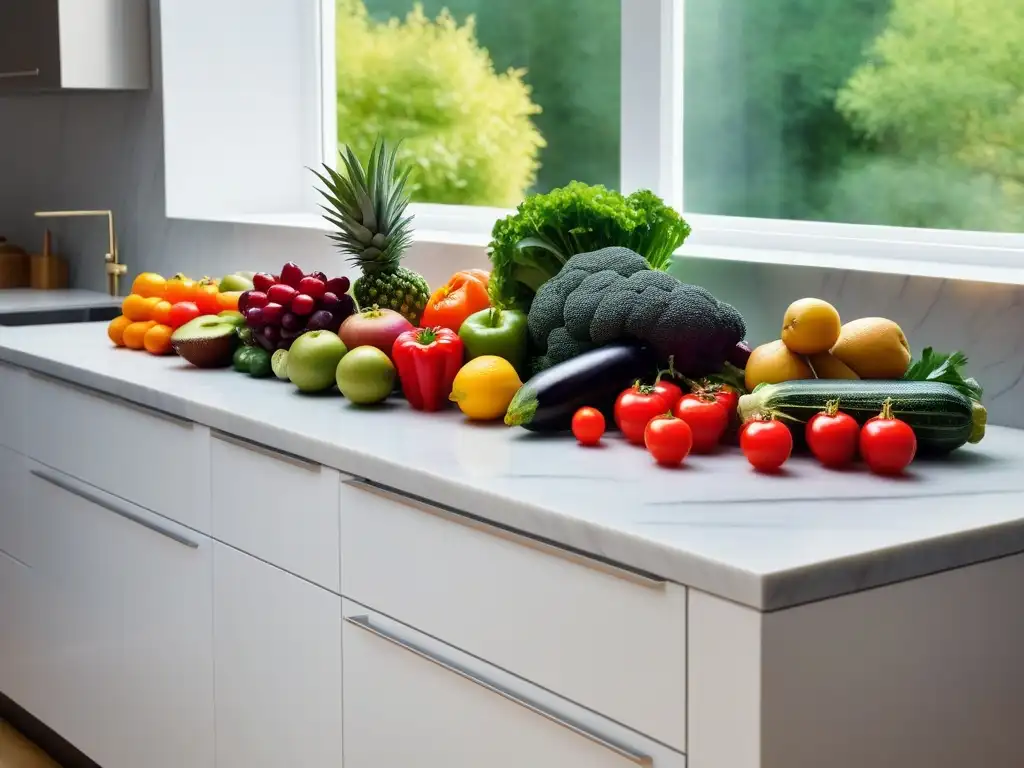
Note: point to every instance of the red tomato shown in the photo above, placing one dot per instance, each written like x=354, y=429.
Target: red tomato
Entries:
x=635, y=407
x=671, y=392
x=832, y=437
x=730, y=400
x=668, y=440
x=182, y=312
x=766, y=444
x=707, y=418
x=206, y=297
x=588, y=425
x=887, y=444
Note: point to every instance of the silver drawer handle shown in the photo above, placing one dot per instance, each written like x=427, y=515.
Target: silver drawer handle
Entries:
x=363, y=623
x=20, y=73
x=117, y=509
x=169, y=417
x=263, y=450
x=522, y=539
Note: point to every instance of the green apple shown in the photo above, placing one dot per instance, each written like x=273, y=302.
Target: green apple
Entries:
x=235, y=282
x=313, y=360
x=366, y=375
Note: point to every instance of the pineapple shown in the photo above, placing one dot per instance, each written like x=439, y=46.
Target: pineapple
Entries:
x=367, y=205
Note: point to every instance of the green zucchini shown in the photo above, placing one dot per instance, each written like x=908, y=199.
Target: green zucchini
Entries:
x=942, y=418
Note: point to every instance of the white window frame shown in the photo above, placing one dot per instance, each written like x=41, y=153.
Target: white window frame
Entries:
x=273, y=74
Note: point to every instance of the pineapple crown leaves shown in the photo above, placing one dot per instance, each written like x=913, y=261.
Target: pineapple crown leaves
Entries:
x=366, y=206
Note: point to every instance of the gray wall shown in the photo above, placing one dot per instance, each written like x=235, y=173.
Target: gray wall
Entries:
x=106, y=151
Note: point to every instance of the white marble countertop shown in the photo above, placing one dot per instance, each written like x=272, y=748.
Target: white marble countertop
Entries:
x=18, y=300
x=767, y=542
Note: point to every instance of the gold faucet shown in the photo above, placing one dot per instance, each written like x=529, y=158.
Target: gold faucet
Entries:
x=114, y=268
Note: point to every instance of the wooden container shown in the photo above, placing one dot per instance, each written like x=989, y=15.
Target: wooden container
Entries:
x=48, y=272
x=15, y=269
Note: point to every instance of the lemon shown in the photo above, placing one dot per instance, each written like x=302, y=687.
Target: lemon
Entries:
x=484, y=387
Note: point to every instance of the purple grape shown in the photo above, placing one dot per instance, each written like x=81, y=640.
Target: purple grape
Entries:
x=266, y=343
x=320, y=320
x=338, y=285
x=271, y=334
x=290, y=322
x=330, y=302
x=285, y=343
x=319, y=276
x=289, y=334
x=254, y=317
x=346, y=307
x=272, y=314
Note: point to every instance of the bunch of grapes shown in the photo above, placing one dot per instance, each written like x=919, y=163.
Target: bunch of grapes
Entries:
x=280, y=308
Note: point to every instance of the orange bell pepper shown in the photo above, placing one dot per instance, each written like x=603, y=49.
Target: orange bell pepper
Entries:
x=450, y=305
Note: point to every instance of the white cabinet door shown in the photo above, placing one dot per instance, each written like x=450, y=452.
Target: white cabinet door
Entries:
x=17, y=614
x=123, y=667
x=277, y=641
x=413, y=701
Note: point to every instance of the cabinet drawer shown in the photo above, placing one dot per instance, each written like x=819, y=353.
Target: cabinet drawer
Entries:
x=414, y=701
x=151, y=459
x=607, y=638
x=277, y=507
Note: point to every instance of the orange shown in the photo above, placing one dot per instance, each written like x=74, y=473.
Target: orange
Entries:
x=135, y=334
x=116, y=329
x=134, y=308
x=161, y=312
x=149, y=284
x=157, y=340
x=228, y=301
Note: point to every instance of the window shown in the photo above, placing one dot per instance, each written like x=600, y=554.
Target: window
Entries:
x=866, y=134
x=491, y=100
x=904, y=113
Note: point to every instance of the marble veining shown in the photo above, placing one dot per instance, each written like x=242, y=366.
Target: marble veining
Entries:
x=106, y=150
x=768, y=542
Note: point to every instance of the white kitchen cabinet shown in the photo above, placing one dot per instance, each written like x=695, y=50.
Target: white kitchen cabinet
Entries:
x=539, y=611
x=277, y=641
x=413, y=701
x=15, y=575
x=123, y=667
x=74, y=44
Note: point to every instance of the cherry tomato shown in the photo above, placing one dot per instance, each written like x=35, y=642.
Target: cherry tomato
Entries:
x=588, y=425
x=635, y=407
x=182, y=312
x=729, y=398
x=707, y=418
x=832, y=436
x=887, y=444
x=205, y=297
x=766, y=444
x=669, y=391
x=668, y=440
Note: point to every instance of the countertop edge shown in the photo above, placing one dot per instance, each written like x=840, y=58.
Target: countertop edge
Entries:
x=762, y=592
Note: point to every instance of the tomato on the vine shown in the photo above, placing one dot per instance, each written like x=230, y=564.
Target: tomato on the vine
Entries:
x=887, y=444
x=668, y=440
x=669, y=391
x=706, y=417
x=635, y=407
x=588, y=425
x=766, y=444
x=832, y=436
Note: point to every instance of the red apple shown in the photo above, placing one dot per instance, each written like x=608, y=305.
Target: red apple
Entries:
x=374, y=327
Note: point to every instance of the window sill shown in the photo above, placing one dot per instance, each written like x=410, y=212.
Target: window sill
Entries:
x=474, y=231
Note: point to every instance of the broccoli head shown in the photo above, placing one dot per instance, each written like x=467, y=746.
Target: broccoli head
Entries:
x=613, y=295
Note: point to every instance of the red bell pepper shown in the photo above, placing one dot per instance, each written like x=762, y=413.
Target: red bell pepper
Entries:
x=427, y=360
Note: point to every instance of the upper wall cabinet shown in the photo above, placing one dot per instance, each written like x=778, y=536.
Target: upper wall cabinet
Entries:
x=73, y=44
